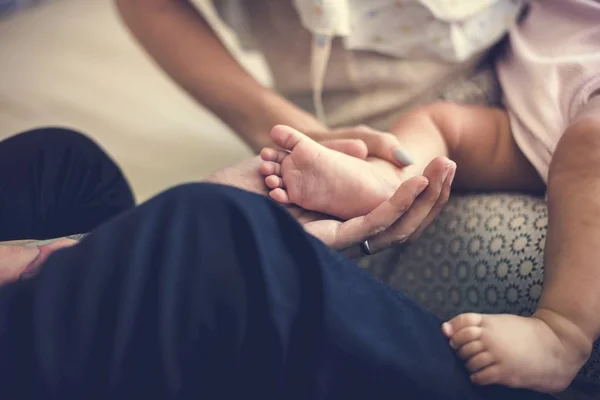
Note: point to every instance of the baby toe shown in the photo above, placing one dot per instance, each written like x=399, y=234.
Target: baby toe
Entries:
x=460, y=322
x=480, y=361
x=287, y=138
x=464, y=336
x=471, y=349
x=487, y=376
x=274, y=182
x=273, y=155
x=268, y=154
x=279, y=195
x=270, y=168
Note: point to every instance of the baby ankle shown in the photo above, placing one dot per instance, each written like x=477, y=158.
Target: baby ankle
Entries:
x=569, y=332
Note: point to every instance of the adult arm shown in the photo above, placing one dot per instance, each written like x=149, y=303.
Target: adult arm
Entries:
x=181, y=41
x=23, y=258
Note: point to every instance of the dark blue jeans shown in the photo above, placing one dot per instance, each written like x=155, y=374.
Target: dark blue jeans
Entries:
x=209, y=292
x=56, y=182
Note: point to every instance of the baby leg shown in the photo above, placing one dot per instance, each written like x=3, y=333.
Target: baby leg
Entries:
x=557, y=340
x=498, y=349
x=477, y=138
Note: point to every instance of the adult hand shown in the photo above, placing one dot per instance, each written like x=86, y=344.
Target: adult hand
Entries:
x=398, y=220
x=14, y=260
x=45, y=251
x=18, y=261
x=401, y=218
x=362, y=142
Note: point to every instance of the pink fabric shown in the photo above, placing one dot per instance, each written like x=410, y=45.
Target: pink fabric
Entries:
x=550, y=71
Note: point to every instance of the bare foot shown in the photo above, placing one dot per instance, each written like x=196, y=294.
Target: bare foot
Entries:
x=245, y=176
x=542, y=353
x=319, y=179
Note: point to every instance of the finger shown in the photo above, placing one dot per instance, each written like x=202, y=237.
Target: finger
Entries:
x=442, y=200
x=14, y=260
x=325, y=230
x=358, y=128
x=403, y=229
x=384, y=145
x=59, y=244
x=44, y=252
x=403, y=157
x=382, y=217
x=336, y=135
x=379, y=144
x=352, y=147
x=387, y=147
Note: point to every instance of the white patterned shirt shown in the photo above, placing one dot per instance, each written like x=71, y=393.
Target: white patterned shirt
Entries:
x=444, y=30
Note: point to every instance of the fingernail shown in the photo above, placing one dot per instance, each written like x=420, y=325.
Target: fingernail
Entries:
x=403, y=157
x=451, y=177
x=449, y=167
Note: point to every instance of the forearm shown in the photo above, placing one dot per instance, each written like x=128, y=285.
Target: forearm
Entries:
x=180, y=40
x=574, y=223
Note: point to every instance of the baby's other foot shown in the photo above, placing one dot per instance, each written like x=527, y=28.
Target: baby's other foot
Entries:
x=542, y=354
x=319, y=179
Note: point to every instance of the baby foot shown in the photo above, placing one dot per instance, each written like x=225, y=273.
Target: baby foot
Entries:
x=542, y=353
x=319, y=179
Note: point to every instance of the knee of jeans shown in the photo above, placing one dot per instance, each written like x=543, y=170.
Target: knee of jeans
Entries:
x=61, y=140
x=202, y=196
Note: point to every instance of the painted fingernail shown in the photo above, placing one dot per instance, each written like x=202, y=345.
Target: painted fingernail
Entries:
x=403, y=157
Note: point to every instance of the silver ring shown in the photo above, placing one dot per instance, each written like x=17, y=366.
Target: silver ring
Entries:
x=365, y=248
